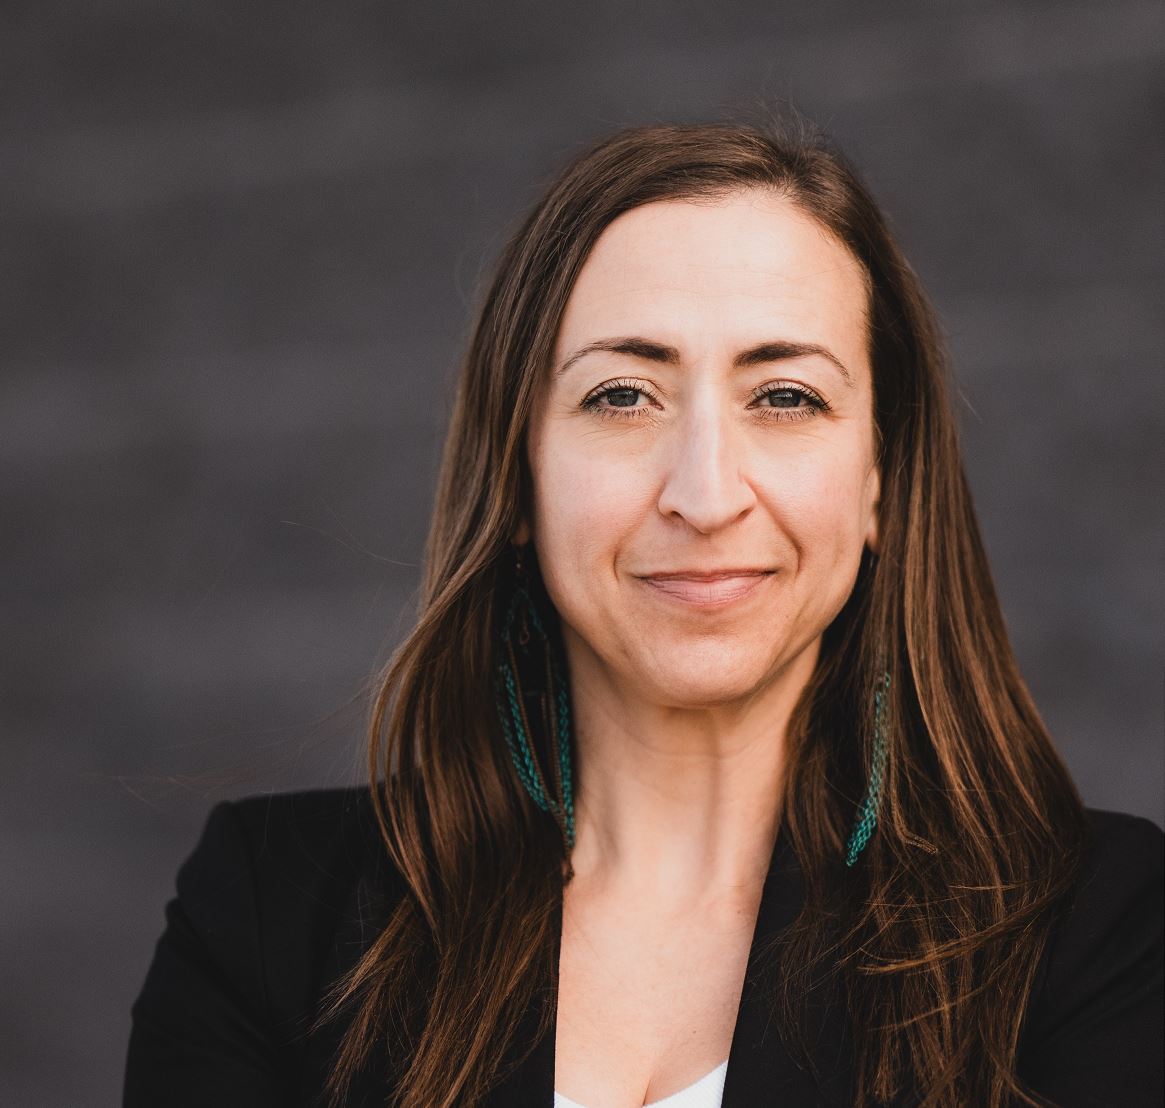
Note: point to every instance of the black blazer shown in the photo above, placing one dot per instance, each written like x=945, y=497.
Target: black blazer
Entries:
x=284, y=892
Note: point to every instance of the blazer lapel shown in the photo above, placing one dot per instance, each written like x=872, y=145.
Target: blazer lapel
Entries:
x=531, y=1083
x=761, y=1070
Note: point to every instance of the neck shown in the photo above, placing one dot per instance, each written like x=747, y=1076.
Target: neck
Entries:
x=678, y=805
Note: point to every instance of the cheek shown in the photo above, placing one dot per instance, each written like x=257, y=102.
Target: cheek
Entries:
x=583, y=512
x=820, y=503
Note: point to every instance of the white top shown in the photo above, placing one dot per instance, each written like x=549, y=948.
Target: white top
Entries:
x=705, y=1093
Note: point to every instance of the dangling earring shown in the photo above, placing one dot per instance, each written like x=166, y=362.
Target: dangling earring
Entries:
x=868, y=812
x=553, y=697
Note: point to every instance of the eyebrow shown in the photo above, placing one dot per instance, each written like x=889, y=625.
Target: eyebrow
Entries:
x=778, y=350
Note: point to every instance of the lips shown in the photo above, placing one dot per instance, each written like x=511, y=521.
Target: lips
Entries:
x=708, y=589
x=705, y=574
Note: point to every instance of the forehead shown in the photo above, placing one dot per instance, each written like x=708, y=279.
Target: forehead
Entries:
x=748, y=266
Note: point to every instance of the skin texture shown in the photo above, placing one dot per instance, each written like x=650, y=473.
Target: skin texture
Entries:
x=680, y=709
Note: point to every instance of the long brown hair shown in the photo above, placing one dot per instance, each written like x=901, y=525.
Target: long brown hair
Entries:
x=934, y=936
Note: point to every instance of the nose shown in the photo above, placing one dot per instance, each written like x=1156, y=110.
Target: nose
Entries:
x=704, y=479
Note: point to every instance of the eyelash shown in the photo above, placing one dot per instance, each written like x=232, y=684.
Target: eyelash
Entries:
x=817, y=403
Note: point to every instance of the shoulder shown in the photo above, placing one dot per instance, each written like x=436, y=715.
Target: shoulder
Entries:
x=280, y=896
x=315, y=842
x=1123, y=846
x=278, y=883
x=1096, y=1009
x=1114, y=916
x=1116, y=906
x=319, y=836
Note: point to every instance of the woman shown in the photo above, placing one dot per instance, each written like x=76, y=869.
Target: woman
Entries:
x=707, y=771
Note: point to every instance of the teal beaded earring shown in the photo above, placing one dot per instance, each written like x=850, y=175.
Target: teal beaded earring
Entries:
x=867, y=817
x=522, y=623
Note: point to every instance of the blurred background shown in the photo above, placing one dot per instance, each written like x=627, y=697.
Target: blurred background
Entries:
x=241, y=245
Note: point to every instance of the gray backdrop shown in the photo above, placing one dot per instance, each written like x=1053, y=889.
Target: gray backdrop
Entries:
x=239, y=247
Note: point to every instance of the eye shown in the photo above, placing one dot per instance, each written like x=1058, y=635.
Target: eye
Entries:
x=621, y=400
x=786, y=400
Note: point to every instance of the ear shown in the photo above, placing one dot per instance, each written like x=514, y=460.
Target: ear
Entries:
x=522, y=535
x=874, y=499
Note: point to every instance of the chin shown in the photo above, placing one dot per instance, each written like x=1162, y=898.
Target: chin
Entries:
x=702, y=686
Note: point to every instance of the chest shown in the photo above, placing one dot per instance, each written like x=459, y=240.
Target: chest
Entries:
x=647, y=1001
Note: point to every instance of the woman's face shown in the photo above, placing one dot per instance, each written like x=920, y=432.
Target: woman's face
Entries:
x=709, y=409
